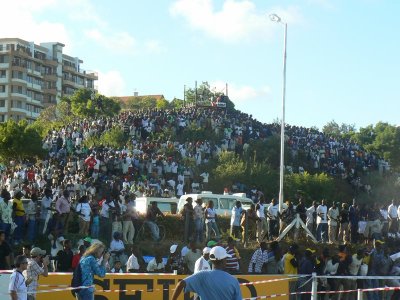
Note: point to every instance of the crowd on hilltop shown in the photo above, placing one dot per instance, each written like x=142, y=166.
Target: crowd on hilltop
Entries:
x=100, y=184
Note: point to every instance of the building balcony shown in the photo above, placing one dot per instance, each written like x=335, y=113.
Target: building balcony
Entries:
x=69, y=68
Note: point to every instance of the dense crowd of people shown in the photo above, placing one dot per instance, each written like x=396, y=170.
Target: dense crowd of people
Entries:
x=99, y=185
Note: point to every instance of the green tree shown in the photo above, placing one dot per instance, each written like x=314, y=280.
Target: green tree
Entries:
x=331, y=129
x=19, y=141
x=84, y=103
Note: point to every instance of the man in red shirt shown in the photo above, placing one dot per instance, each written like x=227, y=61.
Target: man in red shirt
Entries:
x=90, y=162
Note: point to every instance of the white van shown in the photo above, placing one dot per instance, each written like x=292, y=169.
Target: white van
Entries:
x=223, y=204
x=166, y=205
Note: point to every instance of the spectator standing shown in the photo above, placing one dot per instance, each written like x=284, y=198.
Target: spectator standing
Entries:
x=393, y=219
x=215, y=284
x=249, y=218
x=64, y=258
x=290, y=266
x=236, y=216
x=63, y=207
x=344, y=224
x=31, y=212
x=18, y=285
x=6, y=210
x=322, y=222
x=311, y=220
x=84, y=211
x=258, y=259
x=90, y=267
x=272, y=216
x=198, y=215
x=333, y=215
x=45, y=206
x=232, y=262
x=128, y=230
x=354, y=217
x=188, y=221
x=210, y=215
x=5, y=252
x=37, y=266
x=107, y=207
x=151, y=220
x=19, y=217
x=262, y=226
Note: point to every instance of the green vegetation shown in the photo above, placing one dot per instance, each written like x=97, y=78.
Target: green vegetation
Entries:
x=19, y=141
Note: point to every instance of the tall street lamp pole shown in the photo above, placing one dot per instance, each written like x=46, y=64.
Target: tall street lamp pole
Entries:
x=277, y=19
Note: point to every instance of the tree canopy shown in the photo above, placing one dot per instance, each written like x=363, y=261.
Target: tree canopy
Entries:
x=19, y=141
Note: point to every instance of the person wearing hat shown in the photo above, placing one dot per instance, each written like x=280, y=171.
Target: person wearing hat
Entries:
x=215, y=284
x=37, y=265
x=202, y=263
x=174, y=261
x=187, y=214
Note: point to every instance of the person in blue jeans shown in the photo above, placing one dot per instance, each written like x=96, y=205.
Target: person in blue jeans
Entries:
x=151, y=220
x=322, y=222
x=90, y=267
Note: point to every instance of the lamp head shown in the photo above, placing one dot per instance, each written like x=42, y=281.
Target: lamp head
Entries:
x=275, y=18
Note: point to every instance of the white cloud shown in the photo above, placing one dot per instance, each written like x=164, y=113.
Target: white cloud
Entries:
x=111, y=83
x=154, y=46
x=237, y=20
x=118, y=42
x=20, y=17
x=242, y=93
x=326, y=4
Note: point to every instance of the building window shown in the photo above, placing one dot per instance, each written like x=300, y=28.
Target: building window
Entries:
x=2, y=73
x=2, y=118
x=17, y=89
x=2, y=88
x=2, y=103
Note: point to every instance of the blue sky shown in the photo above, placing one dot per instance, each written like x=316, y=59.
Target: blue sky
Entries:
x=343, y=56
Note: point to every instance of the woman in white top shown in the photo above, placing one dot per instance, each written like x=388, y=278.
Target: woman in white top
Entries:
x=84, y=211
x=211, y=224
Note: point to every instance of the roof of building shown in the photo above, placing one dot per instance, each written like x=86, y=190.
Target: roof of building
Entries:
x=125, y=99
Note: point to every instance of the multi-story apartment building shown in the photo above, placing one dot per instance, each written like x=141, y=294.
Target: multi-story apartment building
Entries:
x=35, y=76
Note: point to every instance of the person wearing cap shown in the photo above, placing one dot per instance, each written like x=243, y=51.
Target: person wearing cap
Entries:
x=188, y=215
x=202, y=263
x=37, y=265
x=306, y=267
x=174, y=261
x=212, y=285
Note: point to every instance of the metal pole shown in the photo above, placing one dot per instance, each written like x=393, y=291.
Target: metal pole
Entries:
x=314, y=287
x=282, y=163
x=226, y=89
x=359, y=294
x=184, y=95
x=195, y=92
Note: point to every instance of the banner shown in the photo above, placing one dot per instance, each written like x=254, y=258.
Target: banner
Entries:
x=131, y=286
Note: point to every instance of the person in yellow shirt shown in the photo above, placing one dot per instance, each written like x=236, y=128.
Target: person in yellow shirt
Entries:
x=290, y=265
x=19, y=217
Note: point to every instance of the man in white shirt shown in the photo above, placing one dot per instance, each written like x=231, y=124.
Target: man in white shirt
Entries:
x=311, y=217
x=262, y=226
x=322, y=222
x=202, y=263
x=333, y=215
x=18, y=285
x=393, y=219
x=237, y=212
x=273, y=219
